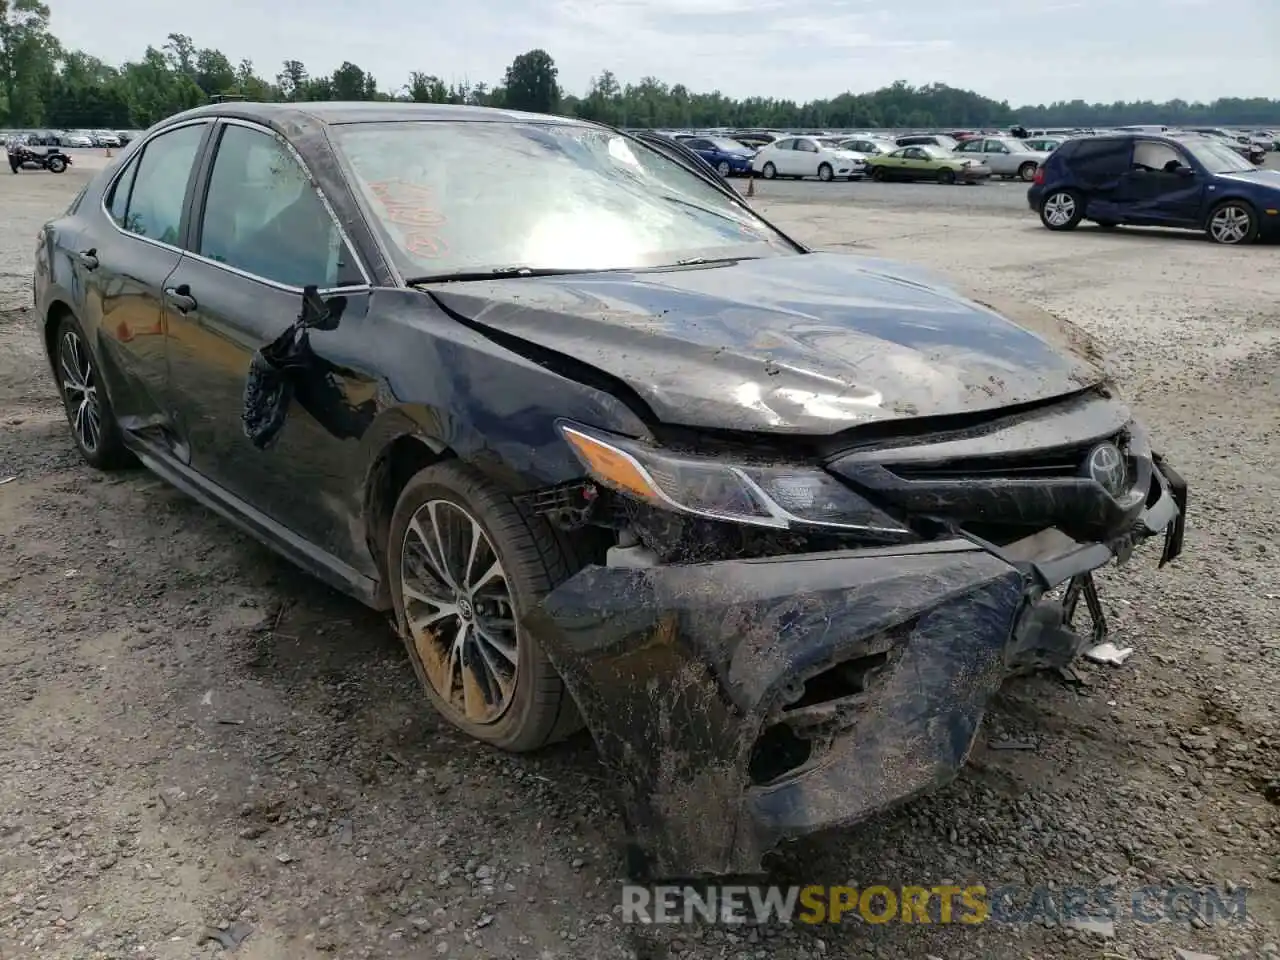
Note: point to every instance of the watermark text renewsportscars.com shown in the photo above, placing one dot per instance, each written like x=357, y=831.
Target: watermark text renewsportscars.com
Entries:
x=940, y=903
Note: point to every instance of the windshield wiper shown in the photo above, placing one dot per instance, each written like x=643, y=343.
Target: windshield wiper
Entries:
x=703, y=261
x=500, y=273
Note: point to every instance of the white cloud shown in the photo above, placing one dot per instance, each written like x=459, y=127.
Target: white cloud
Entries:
x=1008, y=49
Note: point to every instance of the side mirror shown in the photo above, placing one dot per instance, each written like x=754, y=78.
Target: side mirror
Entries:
x=1185, y=172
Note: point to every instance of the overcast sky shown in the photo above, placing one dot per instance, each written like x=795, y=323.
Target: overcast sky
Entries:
x=1025, y=51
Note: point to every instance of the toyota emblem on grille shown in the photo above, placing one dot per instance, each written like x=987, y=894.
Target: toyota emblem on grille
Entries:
x=1105, y=466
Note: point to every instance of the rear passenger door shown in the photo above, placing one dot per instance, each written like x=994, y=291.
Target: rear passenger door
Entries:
x=261, y=233
x=783, y=156
x=125, y=269
x=1096, y=168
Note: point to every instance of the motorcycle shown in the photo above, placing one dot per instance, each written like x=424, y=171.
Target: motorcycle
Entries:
x=53, y=159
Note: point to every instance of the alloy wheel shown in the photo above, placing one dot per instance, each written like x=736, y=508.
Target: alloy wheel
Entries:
x=1230, y=224
x=80, y=390
x=723, y=168
x=1059, y=209
x=459, y=611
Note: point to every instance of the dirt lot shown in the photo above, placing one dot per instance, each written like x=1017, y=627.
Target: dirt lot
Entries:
x=195, y=734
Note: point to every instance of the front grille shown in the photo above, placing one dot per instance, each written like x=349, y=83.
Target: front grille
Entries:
x=1017, y=465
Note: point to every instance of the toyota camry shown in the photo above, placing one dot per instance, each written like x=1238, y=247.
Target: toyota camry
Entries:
x=772, y=524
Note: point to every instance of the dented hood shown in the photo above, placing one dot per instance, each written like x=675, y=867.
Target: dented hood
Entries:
x=806, y=344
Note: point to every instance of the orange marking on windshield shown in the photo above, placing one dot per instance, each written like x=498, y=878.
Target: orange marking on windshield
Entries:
x=411, y=208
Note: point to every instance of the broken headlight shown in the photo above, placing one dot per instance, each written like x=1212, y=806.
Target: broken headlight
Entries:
x=780, y=496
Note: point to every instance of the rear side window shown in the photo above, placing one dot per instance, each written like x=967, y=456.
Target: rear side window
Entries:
x=159, y=188
x=1094, y=161
x=118, y=205
x=785, y=145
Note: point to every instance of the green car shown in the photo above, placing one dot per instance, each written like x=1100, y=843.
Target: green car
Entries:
x=926, y=162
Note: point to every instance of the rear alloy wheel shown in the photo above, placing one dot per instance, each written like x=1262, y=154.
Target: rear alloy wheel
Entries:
x=57, y=165
x=723, y=168
x=769, y=171
x=825, y=173
x=1232, y=222
x=1062, y=210
x=93, y=425
x=946, y=175
x=465, y=565
x=1027, y=172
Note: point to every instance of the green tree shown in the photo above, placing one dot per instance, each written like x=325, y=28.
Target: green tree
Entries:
x=214, y=73
x=531, y=83
x=293, y=80
x=27, y=60
x=427, y=88
x=351, y=83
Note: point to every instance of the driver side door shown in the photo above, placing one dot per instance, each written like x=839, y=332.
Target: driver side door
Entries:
x=1155, y=192
x=261, y=233
x=915, y=164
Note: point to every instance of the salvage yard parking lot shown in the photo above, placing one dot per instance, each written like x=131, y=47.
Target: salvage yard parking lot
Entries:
x=198, y=736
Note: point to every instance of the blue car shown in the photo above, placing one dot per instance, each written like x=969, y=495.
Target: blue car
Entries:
x=729, y=157
x=1190, y=182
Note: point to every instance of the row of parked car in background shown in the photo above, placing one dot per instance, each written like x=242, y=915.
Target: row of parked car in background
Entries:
x=953, y=156
x=71, y=138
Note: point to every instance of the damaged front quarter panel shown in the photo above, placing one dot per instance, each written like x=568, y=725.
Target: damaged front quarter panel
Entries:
x=743, y=702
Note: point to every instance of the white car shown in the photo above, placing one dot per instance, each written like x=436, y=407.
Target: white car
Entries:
x=868, y=146
x=808, y=157
x=75, y=140
x=105, y=138
x=1006, y=156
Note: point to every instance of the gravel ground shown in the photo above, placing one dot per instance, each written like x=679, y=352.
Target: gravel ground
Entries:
x=197, y=735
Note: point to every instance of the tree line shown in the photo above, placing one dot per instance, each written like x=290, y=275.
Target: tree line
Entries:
x=43, y=84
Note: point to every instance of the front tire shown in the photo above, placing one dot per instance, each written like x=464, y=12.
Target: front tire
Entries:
x=57, y=165
x=723, y=168
x=93, y=423
x=1062, y=210
x=825, y=173
x=464, y=566
x=946, y=176
x=769, y=171
x=1232, y=222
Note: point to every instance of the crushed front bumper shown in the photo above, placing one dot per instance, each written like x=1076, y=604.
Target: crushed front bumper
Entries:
x=743, y=702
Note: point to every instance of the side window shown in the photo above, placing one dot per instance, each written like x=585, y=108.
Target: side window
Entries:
x=808, y=146
x=970, y=146
x=158, y=185
x=1096, y=161
x=785, y=145
x=1156, y=156
x=914, y=153
x=263, y=216
x=118, y=205
x=995, y=146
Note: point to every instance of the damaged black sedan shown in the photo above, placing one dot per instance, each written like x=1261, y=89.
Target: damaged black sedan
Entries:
x=773, y=524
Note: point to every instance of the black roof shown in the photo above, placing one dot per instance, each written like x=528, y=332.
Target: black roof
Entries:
x=365, y=111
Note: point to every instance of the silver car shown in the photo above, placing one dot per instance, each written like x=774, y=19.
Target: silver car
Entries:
x=1006, y=156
